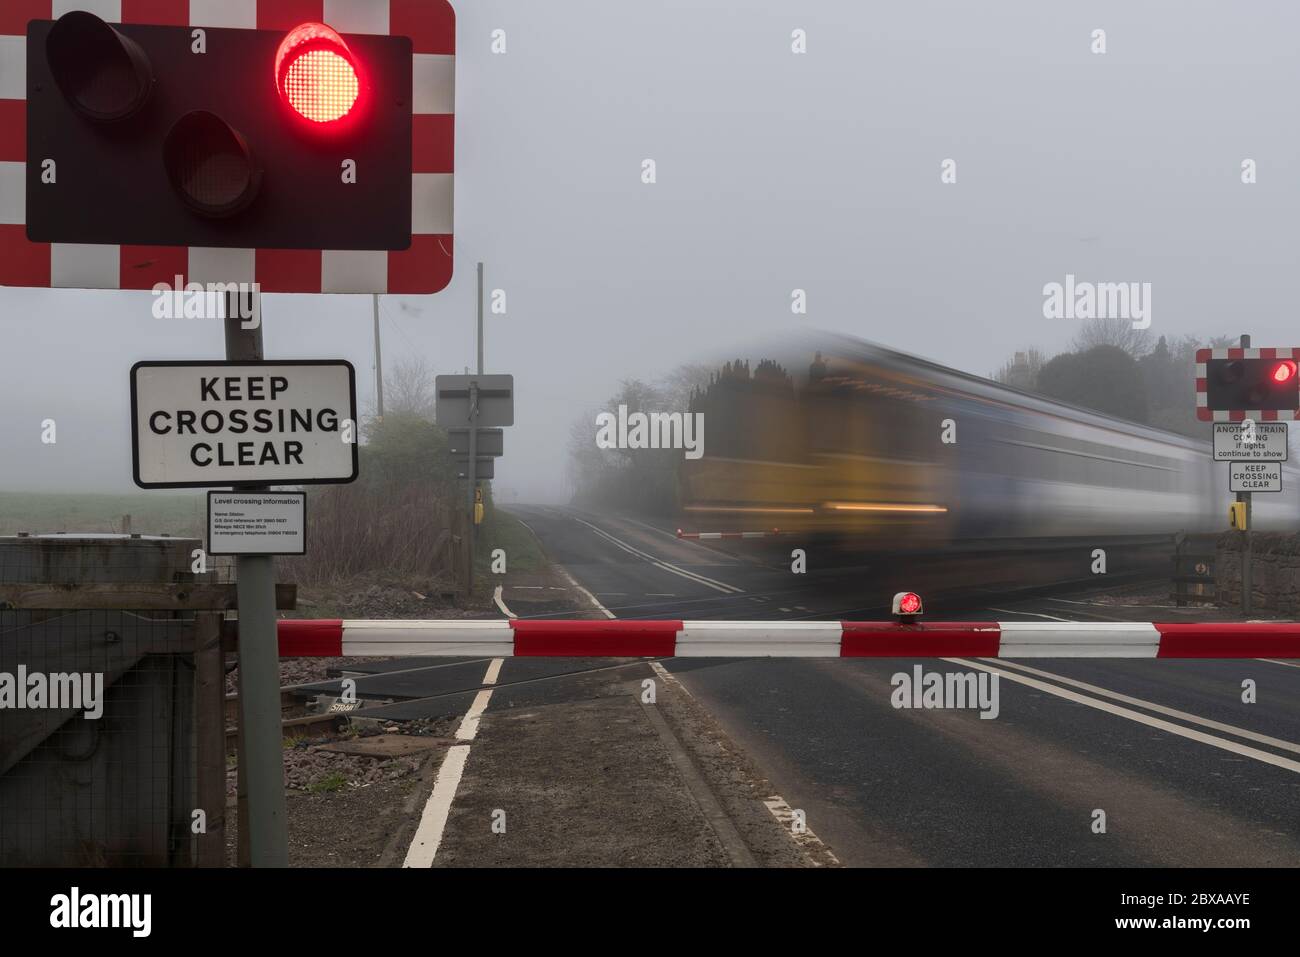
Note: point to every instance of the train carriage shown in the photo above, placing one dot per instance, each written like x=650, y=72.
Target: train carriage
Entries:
x=845, y=437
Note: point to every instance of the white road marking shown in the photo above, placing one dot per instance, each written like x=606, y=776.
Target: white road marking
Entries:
x=496, y=597
x=468, y=729
x=658, y=563
x=807, y=841
x=433, y=820
x=661, y=531
x=1221, y=743
x=428, y=835
x=1033, y=614
x=1274, y=661
x=669, y=677
x=1152, y=706
x=588, y=595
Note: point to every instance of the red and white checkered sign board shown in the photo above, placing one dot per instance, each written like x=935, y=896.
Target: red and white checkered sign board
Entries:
x=1205, y=414
x=423, y=268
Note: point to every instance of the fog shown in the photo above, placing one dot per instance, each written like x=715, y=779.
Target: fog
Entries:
x=775, y=172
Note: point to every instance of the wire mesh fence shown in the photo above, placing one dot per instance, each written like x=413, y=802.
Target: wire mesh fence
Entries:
x=110, y=682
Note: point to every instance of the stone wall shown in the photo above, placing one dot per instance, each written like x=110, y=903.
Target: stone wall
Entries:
x=1275, y=568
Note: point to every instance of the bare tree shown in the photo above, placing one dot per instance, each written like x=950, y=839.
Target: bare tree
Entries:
x=409, y=389
x=678, y=385
x=1113, y=332
x=1021, y=370
x=587, y=462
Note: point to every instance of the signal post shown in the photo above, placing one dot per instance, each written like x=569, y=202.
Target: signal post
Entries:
x=1248, y=394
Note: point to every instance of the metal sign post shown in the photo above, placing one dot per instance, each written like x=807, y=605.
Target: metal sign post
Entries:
x=467, y=404
x=262, y=750
x=473, y=440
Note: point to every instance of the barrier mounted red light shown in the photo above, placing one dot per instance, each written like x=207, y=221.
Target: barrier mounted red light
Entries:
x=907, y=603
x=317, y=75
x=1284, y=372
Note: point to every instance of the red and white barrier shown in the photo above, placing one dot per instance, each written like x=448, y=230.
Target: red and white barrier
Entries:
x=788, y=639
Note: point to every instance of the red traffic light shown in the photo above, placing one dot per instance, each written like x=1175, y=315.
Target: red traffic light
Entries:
x=316, y=74
x=1284, y=372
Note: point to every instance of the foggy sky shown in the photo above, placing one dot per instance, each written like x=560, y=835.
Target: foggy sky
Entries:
x=775, y=172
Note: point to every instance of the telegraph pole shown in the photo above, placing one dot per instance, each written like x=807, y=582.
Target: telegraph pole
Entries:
x=1247, y=582
x=472, y=482
x=261, y=756
x=379, y=364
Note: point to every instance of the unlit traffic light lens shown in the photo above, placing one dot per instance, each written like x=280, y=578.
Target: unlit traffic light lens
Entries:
x=316, y=74
x=104, y=75
x=210, y=165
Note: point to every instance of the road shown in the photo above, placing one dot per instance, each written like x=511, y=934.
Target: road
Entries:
x=1185, y=773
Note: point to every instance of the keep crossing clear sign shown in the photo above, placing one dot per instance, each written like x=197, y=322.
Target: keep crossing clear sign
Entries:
x=287, y=422
x=1255, y=477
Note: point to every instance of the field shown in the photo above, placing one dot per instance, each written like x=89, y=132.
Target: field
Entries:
x=151, y=514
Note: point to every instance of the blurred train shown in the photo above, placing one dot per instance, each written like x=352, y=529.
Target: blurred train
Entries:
x=841, y=436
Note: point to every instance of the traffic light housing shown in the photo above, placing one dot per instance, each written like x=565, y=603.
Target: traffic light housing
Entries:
x=1249, y=384
x=150, y=135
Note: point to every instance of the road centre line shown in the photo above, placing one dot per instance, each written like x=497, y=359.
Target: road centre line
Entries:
x=1152, y=706
x=1190, y=733
x=666, y=566
x=433, y=820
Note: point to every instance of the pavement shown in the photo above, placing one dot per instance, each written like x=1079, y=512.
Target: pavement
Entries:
x=1113, y=763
